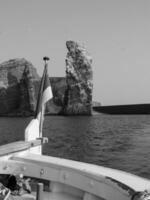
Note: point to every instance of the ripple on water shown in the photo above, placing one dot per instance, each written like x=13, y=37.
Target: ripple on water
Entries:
x=120, y=142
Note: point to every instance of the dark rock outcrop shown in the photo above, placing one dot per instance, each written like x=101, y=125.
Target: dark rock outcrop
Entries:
x=55, y=105
x=72, y=95
x=17, y=92
x=19, y=87
x=79, y=77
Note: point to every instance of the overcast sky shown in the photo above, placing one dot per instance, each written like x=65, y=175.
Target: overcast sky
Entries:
x=115, y=32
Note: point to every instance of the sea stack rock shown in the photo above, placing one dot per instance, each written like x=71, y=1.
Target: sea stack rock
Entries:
x=79, y=79
x=56, y=104
x=18, y=80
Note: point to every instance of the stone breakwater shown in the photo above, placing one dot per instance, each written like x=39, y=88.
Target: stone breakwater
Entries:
x=72, y=95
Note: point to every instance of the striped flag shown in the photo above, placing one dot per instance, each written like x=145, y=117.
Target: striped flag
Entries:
x=45, y=94
x=34, y=129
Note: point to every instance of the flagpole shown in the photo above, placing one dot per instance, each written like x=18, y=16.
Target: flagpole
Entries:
x=41, y=86
x=39, y=94
x=34, y=128
x=46, y=59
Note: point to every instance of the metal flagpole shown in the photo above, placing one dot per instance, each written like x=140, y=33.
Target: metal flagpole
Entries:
x=46, y=59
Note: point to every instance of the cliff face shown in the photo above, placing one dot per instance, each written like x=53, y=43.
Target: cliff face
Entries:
x=72, y=95
x=19, y=86
x=17, y=92
x=79, y=79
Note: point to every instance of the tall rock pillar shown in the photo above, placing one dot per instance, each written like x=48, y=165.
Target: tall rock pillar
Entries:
x=79, y=79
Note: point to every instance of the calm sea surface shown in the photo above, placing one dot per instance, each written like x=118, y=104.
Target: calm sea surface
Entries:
x=121, y=141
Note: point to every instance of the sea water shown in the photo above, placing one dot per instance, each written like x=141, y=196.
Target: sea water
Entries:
x=116, y=141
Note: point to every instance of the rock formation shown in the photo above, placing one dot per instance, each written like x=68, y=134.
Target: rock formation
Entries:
x=72, y=95
x=17, y=91
x=19, y=86
x=79, y=77
x=55, y=105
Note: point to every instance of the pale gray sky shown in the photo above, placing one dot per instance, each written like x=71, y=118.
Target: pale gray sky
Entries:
x=115, y=32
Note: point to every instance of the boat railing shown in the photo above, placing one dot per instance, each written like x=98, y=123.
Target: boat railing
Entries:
x=20, y=146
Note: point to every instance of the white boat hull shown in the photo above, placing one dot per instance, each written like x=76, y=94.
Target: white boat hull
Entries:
x=75, y=180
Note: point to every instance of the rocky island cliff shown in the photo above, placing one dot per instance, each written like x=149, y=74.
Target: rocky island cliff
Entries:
x=79, y=79
x=72, y=95
x=17, y=77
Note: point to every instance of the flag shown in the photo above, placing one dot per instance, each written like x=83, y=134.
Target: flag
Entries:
x=45, y=94
x=34, y=129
